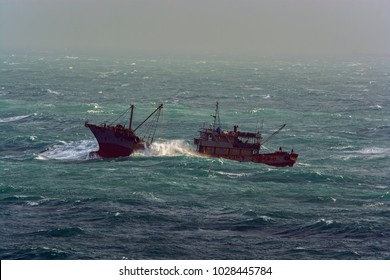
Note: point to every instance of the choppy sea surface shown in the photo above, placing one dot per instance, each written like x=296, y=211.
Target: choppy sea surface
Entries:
x=57, y=202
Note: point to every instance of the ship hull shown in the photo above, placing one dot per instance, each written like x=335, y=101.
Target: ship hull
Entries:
x=218, y=148
x=277, y=159
x=115, y=141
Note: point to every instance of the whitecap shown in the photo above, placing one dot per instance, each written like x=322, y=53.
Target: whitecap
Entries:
x=75, y=150
x=327, y=222
x=94, y=111
x=32, y=203
x=266, y=218
x=342, y=147
x=254, y=88
x=232, y=174
x=149, y=196
x=373, y=205
x=53, y=91
x=266, y=96
x=374, y=150
x=107, y=74
x=95, y=105
x=72, y=57
x=255, y=110
x=368, y=153
x=13, y=119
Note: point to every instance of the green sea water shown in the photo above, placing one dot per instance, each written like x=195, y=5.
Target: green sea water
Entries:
x=57, y=202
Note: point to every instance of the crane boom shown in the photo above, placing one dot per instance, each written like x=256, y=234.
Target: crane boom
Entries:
x=272, y=135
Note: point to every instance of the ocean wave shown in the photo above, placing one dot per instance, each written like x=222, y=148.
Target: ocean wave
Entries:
x=257, y=223
x=168, y=148
x=253, y=88
x=253, y=224
x=71, y=57
x=37, y=253
x=376, y=106
x=75, y=150
x=40, y=201
x=322, y=226
x=306, y=253
x=53, y=92
x=367, y=153
x=64, y=232
x=329, y=227
x=24, y=198
x=374, y=151
x=378, y=131
x=13, y=119
x=234, y=175
x=108, y=73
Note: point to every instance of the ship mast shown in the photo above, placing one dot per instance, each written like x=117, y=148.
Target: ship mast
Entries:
x=217, y=121
x=131, y=116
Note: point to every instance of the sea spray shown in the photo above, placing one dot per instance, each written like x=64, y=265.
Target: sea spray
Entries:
x=168, y=148
x=74, y=150
x=83, y=150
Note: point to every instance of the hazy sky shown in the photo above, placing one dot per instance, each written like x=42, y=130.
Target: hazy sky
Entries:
x=259, y=27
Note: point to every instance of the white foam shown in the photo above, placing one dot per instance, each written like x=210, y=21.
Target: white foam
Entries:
x=374, y=151
x=367, y=153
x=75, y=150
x=53, y=91
x=168, y=148
x=233, y=175
x=13, y=119
x=71, y=57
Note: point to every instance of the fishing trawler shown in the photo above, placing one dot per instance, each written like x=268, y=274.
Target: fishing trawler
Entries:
x=240, y=146
x=119, y=140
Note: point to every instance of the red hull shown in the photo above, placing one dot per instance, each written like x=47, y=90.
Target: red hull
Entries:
x=278, y=159
x=115, y=141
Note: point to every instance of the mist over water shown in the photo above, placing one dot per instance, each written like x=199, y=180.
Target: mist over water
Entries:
x=302, y=28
